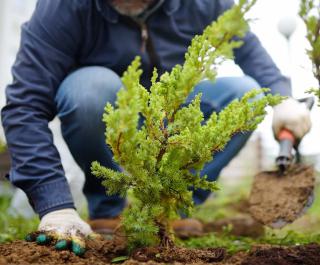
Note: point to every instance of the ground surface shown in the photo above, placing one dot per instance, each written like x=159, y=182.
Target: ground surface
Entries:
x=102, y=253
x=228, y=226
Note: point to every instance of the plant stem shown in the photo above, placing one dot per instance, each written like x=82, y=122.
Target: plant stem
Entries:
x=165, y=240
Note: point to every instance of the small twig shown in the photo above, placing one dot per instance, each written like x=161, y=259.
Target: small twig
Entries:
x=179, y=195
x=118, y=144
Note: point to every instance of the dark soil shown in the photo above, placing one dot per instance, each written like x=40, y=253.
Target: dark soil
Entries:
x=177, y=254
x=277, y=199
x=99, y=252
x=300, y=255
x=102, y=252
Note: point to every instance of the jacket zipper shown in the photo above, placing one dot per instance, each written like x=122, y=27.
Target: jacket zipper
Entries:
x=147, y=46
x=144, y=37
x=146, y=41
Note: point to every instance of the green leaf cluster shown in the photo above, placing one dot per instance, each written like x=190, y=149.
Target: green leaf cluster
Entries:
x=162, y=157
x=310, y=14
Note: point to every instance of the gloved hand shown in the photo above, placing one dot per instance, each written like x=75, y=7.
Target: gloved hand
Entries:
x=64, y=229
x=293, y=116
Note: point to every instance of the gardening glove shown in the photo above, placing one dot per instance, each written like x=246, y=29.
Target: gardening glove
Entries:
x=64, y=229
x=293, y=116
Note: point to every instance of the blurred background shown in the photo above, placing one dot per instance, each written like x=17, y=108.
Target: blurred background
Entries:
x=270, y=20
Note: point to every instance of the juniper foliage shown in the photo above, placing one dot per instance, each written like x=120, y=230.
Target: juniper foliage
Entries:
x=163, y=158
x=310, y=14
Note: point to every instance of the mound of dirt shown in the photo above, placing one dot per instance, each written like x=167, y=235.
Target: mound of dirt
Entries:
x=277, y=199
x=177, y=254
x=262, y=255
x=99, y=252
x=302, y=255
x=102, y=252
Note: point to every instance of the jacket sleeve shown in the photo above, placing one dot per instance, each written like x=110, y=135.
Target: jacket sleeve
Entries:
x=49, y=44
x=255, y=61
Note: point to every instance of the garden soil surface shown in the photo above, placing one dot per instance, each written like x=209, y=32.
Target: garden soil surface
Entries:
x=102, y=252
x=278, y=199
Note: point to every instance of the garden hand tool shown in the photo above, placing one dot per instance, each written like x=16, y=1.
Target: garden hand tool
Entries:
x=65, y=229
x=288, y=142
x=292, y=115
x=280, y=197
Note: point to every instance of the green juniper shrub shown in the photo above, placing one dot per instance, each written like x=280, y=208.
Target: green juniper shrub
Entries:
x=174, y=141
x=310, y=14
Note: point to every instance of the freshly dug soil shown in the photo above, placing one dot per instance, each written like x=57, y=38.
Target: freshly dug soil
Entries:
x=177, y=254
x=277, y=199
x=300, y=255
x=263, y=255
x=99, y=252
x=103, y=251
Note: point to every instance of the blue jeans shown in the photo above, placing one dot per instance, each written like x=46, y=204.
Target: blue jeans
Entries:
x=80, y=104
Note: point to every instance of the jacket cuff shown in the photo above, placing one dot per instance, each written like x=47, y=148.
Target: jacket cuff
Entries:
x=282, y=87
x=50, y=197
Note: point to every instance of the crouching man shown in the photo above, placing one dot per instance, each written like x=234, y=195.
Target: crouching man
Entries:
x=71, y=57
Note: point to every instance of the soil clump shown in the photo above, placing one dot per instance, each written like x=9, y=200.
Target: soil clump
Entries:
x=278, y=199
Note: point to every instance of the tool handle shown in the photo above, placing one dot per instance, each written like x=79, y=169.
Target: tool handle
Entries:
x=286, y=144
x=285, y=134
x=285, y=154
x=286, y=148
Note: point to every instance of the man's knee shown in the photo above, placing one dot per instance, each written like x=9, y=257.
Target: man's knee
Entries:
x=87, y=90
x=217, y=95
x=242, y=85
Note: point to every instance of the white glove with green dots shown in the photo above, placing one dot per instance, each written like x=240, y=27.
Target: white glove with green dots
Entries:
x=64, y=229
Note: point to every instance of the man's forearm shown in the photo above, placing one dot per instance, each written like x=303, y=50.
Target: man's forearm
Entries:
x=257, y=63
x=36, y=166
